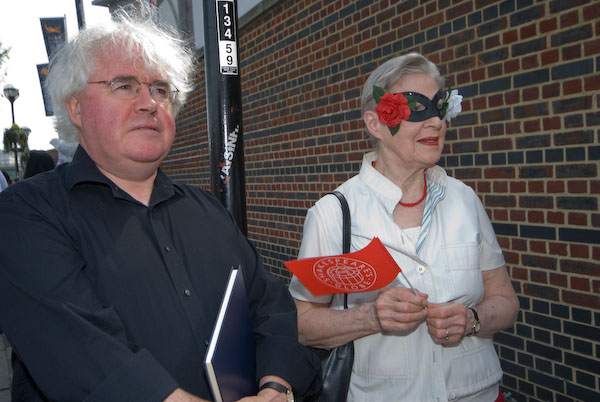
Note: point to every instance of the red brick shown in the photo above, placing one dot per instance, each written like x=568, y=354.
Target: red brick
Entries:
x=571, y=52
x=512, y=97
x=552, y=123
x=528, y=31
x=484, y=187
x=519, y=244
x=555, y=217
x=591, y=83
x=500, y=187
x=501, y=215
x=496, y=100
x=480, y=103
x=520, y=273
x=558, y=280
x=578, y=219
x=590, y=268
x=577, y=187
x=536, y=186
x=499, y=173
x=580, y=284
x=550, y=91
x=532, y=126
x=535, y=217
x=510, y=37
x=569, y=19
x=517, y=216
x=555, y=187
x=539, y=247
x=518, y=187
x=548, y=25
x=572, y=87
x=529, y=62
x=511, y=66
x=579, y=250
x=530, y=94
x=538, y=276
x=581, y=299
x=550, y=57
x=591, y=12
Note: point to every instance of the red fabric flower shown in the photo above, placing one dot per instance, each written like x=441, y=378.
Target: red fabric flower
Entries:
x=392, y=109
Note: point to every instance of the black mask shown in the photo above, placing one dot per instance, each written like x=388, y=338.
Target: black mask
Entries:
x=426, y=108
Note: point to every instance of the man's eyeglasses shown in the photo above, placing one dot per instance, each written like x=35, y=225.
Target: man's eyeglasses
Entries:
x=127, y=87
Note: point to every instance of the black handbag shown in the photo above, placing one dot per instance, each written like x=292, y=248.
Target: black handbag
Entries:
x=336, y=366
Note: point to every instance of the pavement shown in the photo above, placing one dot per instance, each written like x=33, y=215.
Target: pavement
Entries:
x=5, y=369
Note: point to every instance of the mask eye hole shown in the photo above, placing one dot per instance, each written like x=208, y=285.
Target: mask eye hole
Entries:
x=440, y=104
x=419, y=107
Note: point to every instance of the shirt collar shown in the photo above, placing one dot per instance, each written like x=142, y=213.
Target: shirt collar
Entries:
x=386, y=190
x=83, y=169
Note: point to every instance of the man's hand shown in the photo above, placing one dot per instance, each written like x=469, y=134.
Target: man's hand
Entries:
x=180, y=395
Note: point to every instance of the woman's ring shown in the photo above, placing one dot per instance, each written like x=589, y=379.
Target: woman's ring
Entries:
x=446, y=334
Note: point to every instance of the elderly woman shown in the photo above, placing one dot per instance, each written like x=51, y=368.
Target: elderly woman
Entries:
x=433, y=342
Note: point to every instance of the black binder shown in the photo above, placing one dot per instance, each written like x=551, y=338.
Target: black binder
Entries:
x=230, y=362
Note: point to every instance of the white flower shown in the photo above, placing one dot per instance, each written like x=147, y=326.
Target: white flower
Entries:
x=454, y=104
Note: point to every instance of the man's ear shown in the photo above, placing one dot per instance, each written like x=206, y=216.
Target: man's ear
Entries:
x=373, y=124
x=74, y=109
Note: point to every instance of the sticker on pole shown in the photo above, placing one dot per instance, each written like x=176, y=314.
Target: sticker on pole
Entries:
x=226, y=19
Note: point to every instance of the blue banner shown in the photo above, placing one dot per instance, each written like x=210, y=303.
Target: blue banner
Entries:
x=55, y=33
x=42, y=73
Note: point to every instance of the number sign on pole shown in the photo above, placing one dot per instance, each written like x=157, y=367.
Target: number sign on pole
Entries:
x=224, y=107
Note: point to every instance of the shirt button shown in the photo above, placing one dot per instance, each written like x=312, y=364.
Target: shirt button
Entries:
x=167, y=249
x=187, y=292
x=421, y=269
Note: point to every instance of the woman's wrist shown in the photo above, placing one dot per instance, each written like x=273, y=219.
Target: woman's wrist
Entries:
x=369, y=312
x=470, y=322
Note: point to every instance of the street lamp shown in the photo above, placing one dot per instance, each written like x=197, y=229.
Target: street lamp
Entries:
x=12, y=94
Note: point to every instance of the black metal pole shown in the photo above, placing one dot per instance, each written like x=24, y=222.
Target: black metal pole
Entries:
x=12, y=110
x=224, y=107
x=80, y=14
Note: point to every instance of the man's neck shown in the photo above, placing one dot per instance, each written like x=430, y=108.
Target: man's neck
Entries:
x=141, y=189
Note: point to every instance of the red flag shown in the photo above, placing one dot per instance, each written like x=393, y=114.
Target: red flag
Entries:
x=365, y=270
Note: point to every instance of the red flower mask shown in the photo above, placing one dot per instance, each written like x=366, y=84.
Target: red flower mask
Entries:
x=391, y=108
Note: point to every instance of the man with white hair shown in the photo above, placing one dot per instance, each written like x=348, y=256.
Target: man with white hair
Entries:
x=112, y=277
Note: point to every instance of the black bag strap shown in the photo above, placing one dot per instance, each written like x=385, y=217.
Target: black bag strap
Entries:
x=346, y=230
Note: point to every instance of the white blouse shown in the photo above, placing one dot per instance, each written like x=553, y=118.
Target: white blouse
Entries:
x=454, y=244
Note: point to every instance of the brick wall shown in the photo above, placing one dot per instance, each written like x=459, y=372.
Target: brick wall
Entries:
x=527, y=142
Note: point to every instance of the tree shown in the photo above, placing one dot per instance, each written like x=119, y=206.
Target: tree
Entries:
x=3, y=57
x=16, y=135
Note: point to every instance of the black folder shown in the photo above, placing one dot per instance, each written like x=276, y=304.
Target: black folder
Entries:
x=230, y=362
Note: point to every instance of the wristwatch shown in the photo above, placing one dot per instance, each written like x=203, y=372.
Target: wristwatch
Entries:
x=289, y=395
x=476, y=323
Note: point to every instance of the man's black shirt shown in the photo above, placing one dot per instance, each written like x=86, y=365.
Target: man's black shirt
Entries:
x=107, y=299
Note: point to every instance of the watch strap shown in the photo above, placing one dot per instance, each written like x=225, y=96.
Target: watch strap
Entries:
x=476, y=323
x=276, y=386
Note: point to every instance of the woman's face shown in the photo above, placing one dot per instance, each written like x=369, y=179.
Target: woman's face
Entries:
x=416, y=144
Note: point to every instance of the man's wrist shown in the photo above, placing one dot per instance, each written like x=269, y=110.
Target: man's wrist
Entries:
x=271, y=395
x=275, y=389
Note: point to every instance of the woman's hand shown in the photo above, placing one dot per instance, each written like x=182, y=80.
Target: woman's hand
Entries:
x=446, y=322
x=399, y=310
x=449, y=323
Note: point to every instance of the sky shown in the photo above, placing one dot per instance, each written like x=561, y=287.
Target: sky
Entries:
x=21, y=30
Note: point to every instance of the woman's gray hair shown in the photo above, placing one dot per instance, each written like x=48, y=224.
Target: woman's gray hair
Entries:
x=392, y=70
x=161, y=50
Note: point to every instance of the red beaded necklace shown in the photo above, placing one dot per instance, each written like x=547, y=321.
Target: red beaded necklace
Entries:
x=413, y=204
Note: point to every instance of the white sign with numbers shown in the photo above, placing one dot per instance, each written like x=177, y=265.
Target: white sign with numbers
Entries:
x=228, y=59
